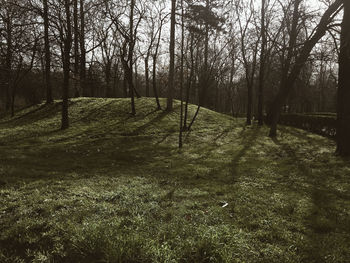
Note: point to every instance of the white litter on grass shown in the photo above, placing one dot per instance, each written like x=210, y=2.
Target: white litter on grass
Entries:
x=223, y=204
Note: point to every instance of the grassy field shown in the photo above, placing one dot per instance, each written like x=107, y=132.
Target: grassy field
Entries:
x=115, y=188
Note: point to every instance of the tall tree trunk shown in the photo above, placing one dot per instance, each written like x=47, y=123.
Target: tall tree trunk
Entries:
x=83, y=85
x=249, y=101
x=66, y=65
x=171, y=82
x=48, y=85
x=343, y=105
x=147, y=74
x=136, y=85
x=182, y=72
x=154, y=81
x=108, y=74
x=203, y=91
x=125, y=85
x=76, y=49
x=262, y=66
x=9, y=55
x=130, y=57
x=189, y=83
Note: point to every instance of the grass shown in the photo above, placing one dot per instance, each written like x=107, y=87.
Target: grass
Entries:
x=115, y=188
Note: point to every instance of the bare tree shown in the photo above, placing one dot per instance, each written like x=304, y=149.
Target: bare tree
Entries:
x=249, y=51
x=182, y=72
x=66, y=38
x=343, y=107
x=288, y=81
x=171, y=81
x=262, y=64
x=48, y=84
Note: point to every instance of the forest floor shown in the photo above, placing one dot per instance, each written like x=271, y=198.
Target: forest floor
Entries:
x=115, y=188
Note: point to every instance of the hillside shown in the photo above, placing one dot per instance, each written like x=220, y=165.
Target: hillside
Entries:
x=115, y=188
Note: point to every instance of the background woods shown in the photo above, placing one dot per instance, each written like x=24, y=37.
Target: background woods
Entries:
x=257, y=59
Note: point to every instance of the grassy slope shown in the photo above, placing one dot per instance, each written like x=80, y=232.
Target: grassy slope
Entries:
x=114, y=188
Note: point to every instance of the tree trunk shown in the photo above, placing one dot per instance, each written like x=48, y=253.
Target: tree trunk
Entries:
x=171, y=82
x=9, y=54
x=189, y=83
x=48, y=85
x=13, y=97
x=108, y=74
x=147, y=75
x=136, y=85
x=82, y=50
x=76, y=49
x=66, y=65
x=249, y=102
x=343, y=105
x=182, y=72
x=154, y=81
x=262, y=67
x=125, y=85
x=204, y=73
x=130, y=57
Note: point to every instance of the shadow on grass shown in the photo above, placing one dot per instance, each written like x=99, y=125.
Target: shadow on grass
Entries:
x=143, y=127
x=42, y=112
x=247, y=142
x=321, y=222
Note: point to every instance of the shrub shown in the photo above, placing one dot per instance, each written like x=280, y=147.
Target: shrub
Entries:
x=322, y=124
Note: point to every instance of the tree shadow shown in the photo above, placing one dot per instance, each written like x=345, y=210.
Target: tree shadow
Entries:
x=165, y=136
x=143, y=127
x=42, y=112
x=322, y=220
x=247, y=142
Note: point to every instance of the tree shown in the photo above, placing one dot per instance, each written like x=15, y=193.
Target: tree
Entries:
x=249, y=52
x=76, y=48
x=182, y=73
x=82, y=49
x=66, y=38
x=343, y=107
x=171, y=82
x=128, y=32
x=155, y=21
x=20, y=44
x=48, y=84
x=262, y=65
x=287, y=84
x=154, y=71
x=130, y=56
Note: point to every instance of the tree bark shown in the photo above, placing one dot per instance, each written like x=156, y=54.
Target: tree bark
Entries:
x=262, y=66
x=8, y=59
x=130, y=57
x=83, y=85
x=189, y=83
x=66, y=65
x=182, y=72
x=154, y=73
x=76, y=49
x=48, y=84
x=204, y=73
x=343, y=105
x=171, y=82
x=147, y=75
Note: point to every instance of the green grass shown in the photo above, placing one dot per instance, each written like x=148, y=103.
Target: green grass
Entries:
x=115, y=188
